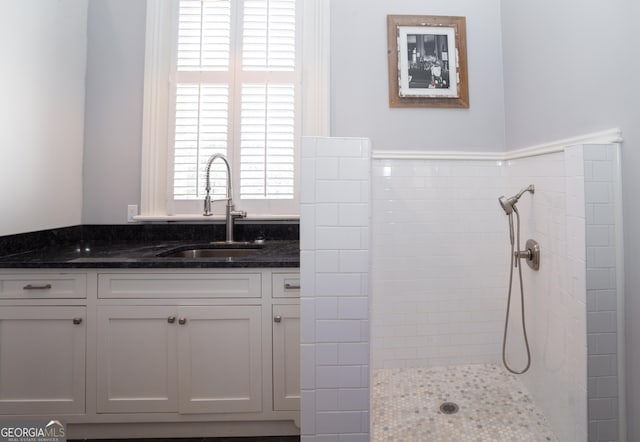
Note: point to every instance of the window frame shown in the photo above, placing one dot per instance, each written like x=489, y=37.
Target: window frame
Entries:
x=156, y=176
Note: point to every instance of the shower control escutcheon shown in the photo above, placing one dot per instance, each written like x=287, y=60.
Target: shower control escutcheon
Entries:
x=531, y=254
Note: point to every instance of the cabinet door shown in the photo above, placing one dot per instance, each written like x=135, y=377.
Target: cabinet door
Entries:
x=286, y=357
x=42, y=353
x=137, y=366
x=219, y=366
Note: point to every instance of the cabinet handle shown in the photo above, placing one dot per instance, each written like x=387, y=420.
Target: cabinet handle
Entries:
x=182, y=321
x=77, y=321
x=277, y=318
x=289, y=286
x=171, y=319
x=37, y=287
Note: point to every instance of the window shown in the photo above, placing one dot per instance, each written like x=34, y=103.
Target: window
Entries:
x=235, y=86
x=236, y=92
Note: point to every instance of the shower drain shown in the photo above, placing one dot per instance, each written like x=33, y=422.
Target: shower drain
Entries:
x=449, y=408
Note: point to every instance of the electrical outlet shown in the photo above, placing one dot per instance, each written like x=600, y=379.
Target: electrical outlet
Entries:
x=132, y=210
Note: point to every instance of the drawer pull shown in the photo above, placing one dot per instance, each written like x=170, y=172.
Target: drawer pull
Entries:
x=77, y=321
x=277, y=318
x=171, y=319
x=37, y=287
x=182, y=321
x=289, y=286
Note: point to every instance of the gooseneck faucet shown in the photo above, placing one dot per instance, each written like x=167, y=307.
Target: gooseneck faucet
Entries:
x=231, y=213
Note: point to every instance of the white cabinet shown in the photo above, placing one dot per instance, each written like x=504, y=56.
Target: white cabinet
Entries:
x=137, y=359
x=285, y=289
x=196, y=359
x=285, y=285
x=133, y=348
x=42, y=360
x=181, y=285
x=219, y=354
x=286, y=357
x=43, y=286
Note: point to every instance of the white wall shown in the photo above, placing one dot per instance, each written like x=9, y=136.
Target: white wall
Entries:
x=115, y=74
x=555, y=295
x=602, y=198
x=566, y=69
x=43, y=52
x=439, y=262
x=440, y=269
x=575, y=75
x=359, y=79
x=334, y=301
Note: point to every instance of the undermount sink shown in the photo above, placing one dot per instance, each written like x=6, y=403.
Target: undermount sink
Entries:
x=222, y=250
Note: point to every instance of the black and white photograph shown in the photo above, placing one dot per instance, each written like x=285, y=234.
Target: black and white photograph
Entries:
x=427, y=61
x=428, y=58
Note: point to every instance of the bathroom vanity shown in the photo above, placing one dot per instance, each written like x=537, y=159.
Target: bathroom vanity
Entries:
x=132, y=344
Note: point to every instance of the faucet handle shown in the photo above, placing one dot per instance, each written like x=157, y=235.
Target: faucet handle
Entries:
x=207, y=204
x=238, y=213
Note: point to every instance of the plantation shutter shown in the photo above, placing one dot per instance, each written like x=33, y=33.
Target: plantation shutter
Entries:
x=236, y=87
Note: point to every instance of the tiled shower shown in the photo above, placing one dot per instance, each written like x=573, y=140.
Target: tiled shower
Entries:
x=439, y=271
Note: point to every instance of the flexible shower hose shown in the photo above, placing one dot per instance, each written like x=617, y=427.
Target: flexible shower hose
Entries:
x=515, y=247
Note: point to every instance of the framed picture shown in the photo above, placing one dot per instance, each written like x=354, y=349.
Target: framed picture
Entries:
x=427, y=61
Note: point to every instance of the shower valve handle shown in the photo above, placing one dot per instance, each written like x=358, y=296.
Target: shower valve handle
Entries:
x=531, y=253
x=522, y=254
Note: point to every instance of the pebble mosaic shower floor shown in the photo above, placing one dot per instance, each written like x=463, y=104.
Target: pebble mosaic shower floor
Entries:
x=493, y=406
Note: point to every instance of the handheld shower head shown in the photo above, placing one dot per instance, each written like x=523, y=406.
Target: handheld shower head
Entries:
x=507, y=204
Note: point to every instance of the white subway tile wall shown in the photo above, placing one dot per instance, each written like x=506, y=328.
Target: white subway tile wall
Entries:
x=439, y=262
x=555, y=296
x=600, y=182
x=334, y=243
x=439, y=272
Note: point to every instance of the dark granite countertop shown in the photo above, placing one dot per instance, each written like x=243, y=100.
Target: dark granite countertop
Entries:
x=83, y=248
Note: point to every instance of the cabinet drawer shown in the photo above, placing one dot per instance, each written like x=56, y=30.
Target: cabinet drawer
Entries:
x=43, y=286
x=285, y=285
x=159, y=285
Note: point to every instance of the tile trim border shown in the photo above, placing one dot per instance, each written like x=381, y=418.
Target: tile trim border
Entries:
x=610, y=136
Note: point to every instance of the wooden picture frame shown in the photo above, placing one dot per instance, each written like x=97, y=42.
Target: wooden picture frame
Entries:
x=427, y=61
